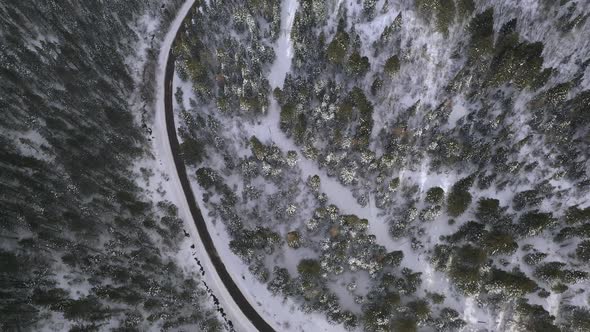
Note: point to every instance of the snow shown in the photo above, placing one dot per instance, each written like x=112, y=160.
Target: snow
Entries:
x=562, y=51
x=146, y=27
x=281, y=314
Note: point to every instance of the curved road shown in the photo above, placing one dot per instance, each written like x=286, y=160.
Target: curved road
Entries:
x=231, y=287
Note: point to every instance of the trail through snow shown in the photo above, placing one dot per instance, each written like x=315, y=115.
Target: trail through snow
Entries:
x=427, y=86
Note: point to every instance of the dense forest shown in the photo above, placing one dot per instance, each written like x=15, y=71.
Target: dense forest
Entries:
x=83, y=247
